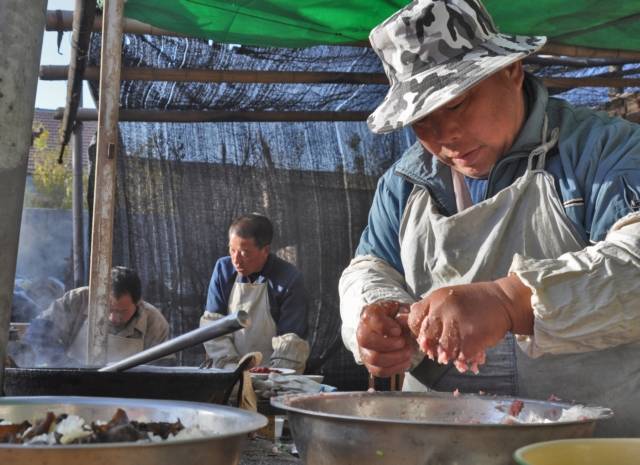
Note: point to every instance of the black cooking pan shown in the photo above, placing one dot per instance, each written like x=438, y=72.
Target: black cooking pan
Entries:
x=152, y=382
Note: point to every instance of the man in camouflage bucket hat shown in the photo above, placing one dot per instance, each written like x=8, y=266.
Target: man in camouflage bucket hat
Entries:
x=506, y=241
x=433, y=51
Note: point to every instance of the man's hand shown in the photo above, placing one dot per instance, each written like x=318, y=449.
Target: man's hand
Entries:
x=459, y=322
x=385, y=342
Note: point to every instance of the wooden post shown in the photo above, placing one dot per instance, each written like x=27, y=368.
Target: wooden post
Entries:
x=103, y=206
x=21, y=29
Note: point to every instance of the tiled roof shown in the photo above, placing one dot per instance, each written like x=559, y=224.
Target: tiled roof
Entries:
x=45, y=118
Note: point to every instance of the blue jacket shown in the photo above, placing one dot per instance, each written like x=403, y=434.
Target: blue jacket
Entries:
x=596, y=167
x=287, y=295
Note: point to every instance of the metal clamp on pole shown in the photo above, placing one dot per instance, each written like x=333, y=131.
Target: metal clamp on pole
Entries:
x=226, y=325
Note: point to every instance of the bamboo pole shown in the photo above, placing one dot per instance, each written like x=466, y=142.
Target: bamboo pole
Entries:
x=59, y=72
x=569, y=83
x=574, y=62
x=218, y=116
x=277, y=77
x=61, y=20
x=84, y=13
x=104, y=199
x=552, y=48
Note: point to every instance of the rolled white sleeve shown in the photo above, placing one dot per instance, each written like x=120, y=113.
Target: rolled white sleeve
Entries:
x=366, y=280
x=586, y=300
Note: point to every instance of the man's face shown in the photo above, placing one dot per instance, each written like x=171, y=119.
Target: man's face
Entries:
x=473, y=131
x=246, y=256
x=121, y=309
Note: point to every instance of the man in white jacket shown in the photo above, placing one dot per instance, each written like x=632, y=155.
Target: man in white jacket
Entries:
x=59, y=335
x=511, y=229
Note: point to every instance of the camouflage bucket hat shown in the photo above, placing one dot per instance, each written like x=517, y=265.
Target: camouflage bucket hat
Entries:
x=433, y=51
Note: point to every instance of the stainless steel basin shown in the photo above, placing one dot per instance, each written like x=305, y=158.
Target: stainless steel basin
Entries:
x=226, y=428
x=392, y=428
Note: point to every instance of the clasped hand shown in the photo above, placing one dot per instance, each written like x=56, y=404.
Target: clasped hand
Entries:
x=458, y=323
x=454, y=323
x=384, y=338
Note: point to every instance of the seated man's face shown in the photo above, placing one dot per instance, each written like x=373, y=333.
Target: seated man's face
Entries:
x=121, y=309
x=473, y=131
x=246, y=256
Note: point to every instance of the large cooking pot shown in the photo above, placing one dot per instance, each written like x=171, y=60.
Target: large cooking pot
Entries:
x=391, y=428
x=225, y=429
x=150, y=382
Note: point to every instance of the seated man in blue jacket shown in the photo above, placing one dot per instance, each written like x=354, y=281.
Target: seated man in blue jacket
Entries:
x=506, y=241
x=269, y=289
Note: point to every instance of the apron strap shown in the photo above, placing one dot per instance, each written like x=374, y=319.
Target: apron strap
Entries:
x=461, y=191
x=540, y=152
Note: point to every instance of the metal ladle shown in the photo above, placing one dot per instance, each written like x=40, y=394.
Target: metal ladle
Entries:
x=226, y=325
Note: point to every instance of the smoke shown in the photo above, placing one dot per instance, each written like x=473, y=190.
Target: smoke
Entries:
x=44, y=260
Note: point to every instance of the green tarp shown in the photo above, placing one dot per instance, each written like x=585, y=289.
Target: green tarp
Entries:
x=610, y=24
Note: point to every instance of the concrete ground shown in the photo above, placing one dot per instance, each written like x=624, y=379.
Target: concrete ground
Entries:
x=261, y=451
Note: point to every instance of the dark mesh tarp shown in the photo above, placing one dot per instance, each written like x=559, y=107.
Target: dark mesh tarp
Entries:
x=179, y=185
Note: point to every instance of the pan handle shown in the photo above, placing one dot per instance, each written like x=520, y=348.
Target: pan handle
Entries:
x=226, y=325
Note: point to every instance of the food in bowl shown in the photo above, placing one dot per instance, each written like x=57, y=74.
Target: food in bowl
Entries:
x=66, y=429
x=514, y=413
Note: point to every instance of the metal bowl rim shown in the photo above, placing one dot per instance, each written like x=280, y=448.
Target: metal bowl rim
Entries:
x=281, y=403
x=141, y=369
x=254, y=420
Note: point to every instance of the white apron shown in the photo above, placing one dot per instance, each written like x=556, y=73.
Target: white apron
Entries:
x=118, y=347
x=478, y=244
x=253, y=298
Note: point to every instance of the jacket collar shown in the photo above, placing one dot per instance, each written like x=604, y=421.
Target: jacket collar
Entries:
x=137, y=323
x=421, y=167
x=258, y=276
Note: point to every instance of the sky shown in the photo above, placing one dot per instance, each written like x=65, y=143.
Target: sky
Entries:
x=52, y=94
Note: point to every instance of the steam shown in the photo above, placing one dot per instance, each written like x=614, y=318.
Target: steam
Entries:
x=44, y=260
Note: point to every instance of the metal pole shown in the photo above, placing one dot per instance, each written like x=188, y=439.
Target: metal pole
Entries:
x=78, y=225
x=104, y=198
x=21, y=29
x=79, y=39
x=226, y=325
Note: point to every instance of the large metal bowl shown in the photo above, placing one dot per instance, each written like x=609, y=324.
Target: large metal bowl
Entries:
x=226, y=428
x=391, y=428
